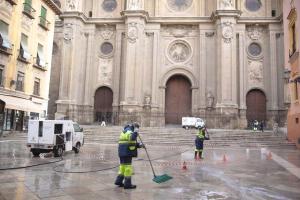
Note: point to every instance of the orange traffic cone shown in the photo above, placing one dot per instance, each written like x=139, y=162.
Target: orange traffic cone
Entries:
x=184, y=166
x=224, y=158
x=269, y=156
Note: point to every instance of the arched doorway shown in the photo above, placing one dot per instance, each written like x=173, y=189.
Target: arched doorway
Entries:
x=256, y=106
x=178, y=99
x=103, y=104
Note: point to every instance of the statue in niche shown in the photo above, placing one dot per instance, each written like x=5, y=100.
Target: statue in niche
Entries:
x=134, y=4
x=227, y=4
x=71, y=4
x=147, y=100
x=210, y=99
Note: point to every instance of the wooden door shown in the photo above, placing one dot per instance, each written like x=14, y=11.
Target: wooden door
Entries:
x=103, y=104
x=256, y=106
x=178, y=99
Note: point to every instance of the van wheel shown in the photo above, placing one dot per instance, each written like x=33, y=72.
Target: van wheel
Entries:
x=77, y=148
x=35, y=153
x=58, y=151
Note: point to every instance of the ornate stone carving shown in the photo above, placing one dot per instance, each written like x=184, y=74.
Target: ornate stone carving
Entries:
x=71, y=5
x=227, y=31
x=210, y=99
x=255, y=32
x=107, y=33
x=179, y=51
x=180, y=5
x=255, y=69
x=135, y=4
x=179, y=30
x=147, y=100
x=209, y=34
x=226, y=4
x=132, y=33
x=105, y=71
x=68, y=32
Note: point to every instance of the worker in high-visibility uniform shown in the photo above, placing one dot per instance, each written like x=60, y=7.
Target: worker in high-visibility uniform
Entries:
x=127, y=150
x=201, y=136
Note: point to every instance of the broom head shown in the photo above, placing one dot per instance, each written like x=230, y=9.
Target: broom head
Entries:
x=161, y=179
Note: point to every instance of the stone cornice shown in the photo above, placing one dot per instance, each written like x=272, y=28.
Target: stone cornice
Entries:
x=53, y=6
x=166, y=20
x=225, y=13
x=135, y=13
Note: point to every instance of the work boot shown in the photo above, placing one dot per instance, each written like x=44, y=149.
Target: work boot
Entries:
x=127, y=183
x=119, y=181
x=195, y=155
x=200, y=155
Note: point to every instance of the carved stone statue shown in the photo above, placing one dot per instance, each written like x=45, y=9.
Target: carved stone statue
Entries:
x=226, y=4
x=210, y=99
x=135, y=5
x=71, y=5
x=147, y=100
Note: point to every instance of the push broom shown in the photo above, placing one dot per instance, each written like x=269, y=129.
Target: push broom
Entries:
x=157, y=179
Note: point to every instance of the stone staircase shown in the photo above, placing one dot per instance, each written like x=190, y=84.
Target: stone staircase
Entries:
x=176, y=136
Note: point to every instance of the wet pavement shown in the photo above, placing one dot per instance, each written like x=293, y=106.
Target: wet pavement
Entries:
x=224, y=173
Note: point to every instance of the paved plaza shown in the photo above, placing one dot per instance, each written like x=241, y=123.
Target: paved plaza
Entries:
x=224, y=173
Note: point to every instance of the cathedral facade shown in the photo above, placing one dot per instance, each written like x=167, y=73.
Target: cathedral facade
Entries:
x=156, y=61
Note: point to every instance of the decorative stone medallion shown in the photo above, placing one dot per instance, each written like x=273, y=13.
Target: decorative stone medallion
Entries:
x=227, y=32
x=179, y=51
x=107, y=33
x=132, y=33
x=109, y=5
x=68, y=32
x=179, y=5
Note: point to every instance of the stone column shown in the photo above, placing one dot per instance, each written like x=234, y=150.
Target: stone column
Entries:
x=132, y=104
x=227, y=108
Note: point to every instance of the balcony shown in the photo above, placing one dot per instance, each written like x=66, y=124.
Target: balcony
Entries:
x=24, y=56
x=28, y=10
x=44, y=23
x=39, y=64
x=12, y=2
x=5, y=46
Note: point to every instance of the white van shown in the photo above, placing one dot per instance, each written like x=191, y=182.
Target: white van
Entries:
x=191, y=122
x=54, y=135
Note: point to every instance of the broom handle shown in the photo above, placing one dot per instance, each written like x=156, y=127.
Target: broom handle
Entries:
x=147, y=155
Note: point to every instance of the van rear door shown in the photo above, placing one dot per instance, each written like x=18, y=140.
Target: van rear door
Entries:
x=33, y=127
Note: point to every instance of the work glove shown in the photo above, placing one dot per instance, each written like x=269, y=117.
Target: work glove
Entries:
x=141, y=145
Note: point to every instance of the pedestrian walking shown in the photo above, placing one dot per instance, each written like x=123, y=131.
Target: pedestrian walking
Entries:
x=127, y=150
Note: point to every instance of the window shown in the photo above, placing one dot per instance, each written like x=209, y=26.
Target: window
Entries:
x=293, y=38
x=5, y=44
x=76, y=128
x=58, y=128
x=109, y=5
x=41, y=125
x=24, y=53
x=36, y=87
x=20, y=82
x=106, y=48
x=254, y=49
x=40, y=56
x=253, y=5
x=28, y=10
x=1, y=75
x=44, y=23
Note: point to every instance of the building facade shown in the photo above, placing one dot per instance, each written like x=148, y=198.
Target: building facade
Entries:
x=291, y=19
x=155, y=61
x=26, y=38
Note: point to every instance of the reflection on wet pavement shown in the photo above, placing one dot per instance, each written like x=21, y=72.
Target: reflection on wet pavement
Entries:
x=244, y=174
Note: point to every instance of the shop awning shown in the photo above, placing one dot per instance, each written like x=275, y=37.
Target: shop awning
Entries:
x=16, y=103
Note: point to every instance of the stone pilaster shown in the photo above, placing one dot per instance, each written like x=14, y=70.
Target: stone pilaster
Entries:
x=132, y=103
x=226, y=107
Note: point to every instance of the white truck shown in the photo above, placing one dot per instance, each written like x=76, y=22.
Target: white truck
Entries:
x=191, y=122
x=58, y=136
